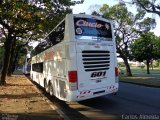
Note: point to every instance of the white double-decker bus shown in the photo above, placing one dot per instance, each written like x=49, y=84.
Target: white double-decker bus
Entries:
x=81, y=62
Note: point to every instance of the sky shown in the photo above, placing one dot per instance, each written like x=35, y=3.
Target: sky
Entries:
x=81, y=8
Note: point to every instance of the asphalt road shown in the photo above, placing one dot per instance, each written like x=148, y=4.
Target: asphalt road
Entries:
x=131, y=102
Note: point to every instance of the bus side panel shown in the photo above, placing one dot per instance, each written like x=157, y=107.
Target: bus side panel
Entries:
x=55, y=70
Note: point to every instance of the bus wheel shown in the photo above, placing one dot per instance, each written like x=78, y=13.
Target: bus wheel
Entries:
x=46, y=86
x=50, y=89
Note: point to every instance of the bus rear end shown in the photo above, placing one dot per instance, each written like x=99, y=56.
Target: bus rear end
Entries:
x=96, y=72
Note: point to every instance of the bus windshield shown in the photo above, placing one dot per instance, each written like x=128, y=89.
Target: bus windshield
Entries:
x=90, y=29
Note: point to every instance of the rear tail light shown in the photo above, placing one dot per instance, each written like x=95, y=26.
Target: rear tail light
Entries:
x=73, y=84
x=72, y=76
x=116, y=71
x=116, y=75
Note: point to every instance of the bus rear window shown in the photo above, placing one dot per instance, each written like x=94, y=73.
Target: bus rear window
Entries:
x=88, y=28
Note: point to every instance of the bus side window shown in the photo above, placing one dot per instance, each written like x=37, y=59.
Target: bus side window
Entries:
x=57, y=35
x=38, y=67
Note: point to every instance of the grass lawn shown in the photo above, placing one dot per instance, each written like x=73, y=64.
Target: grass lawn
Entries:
x=144, y=70
x=140, y=77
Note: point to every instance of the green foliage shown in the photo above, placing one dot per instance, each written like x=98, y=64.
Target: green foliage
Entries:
x=127, y=27
x=150, y=6
x=20, y=20
x=156, y=63
x=26, y=19
x=123, y=20
x=117, y=12
x=146, y=47
x=156, y=43
x=121, y=64
x=147, y=24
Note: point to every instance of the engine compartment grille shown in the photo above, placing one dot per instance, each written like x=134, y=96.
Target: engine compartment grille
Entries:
x=94, y=60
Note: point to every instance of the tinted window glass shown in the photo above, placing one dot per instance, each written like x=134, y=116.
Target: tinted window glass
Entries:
x=57, y=35
x=38, y=67
x=88, y=28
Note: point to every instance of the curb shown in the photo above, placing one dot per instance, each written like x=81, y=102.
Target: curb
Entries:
x=141, y=84
x=63, y=116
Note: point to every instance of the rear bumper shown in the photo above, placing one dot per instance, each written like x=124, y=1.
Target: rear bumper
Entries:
x=91, y=93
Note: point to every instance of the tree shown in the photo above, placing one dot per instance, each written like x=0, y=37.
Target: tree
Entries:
x=150, y=6
x=157, y=48
x=1, y=56
x=126, y=26
x=18, y=52
x=94, y=10
x=21, y=19
x=146, y=48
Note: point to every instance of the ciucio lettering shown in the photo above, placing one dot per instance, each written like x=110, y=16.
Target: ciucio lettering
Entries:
x=88, y=24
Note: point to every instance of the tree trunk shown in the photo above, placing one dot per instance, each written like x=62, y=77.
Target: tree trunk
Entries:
x=15, y=62
x=152, y=64
x=7, y=54
x=128, y=70
x=9, y=73
x=124, y=57
x=148, y=72
x=10, y=68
